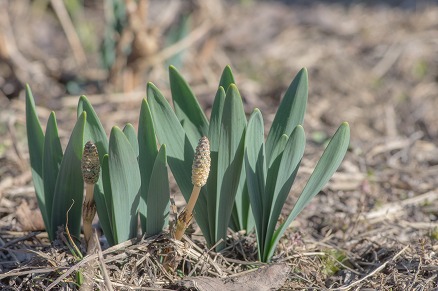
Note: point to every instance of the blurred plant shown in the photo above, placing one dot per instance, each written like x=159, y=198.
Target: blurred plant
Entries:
x=133, y=177
x=84, y=28
x=271, y=169
x=116, y=19
x=181, y=129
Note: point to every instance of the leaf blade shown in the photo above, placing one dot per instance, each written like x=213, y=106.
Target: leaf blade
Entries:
x=187, y=108
x=326, y=166
x=52, y=158
x=230, y=158
x=285, y=176
x=227, y=78
x=129, y=132
x=125, y=184
x=35, y=140
x=147, y=154
x=106, y=202
x=256, y=171
x=290, y=112
x=214, y=137
x=69, y=184
x=158, y=202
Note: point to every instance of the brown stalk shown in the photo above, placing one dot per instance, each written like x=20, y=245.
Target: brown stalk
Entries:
x=90, y=167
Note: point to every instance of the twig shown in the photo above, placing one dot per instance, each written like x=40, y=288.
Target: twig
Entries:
x=105, y=274
x=71, y=270
x=177, y=47
x=69, y=30
x=395, y=208
x=14, y=241
x=68, y=232
x=32, y=271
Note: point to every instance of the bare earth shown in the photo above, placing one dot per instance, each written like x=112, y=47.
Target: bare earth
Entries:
x=373, y=227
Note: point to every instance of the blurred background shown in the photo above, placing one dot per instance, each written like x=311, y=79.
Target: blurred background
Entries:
x=372, y=63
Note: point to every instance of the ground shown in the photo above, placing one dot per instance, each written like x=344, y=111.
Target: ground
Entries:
x=372, y=64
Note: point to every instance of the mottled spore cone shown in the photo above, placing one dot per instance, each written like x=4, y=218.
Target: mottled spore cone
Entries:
x=90, y=165
x=201, y=163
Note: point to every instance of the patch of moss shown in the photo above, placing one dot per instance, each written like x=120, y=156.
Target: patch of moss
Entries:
x=332, y=260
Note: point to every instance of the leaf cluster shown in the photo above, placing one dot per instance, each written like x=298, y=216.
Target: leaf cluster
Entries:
x=133, y=180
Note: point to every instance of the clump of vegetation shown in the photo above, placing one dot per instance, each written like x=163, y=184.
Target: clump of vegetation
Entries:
x=247, y=179
x=130, y=178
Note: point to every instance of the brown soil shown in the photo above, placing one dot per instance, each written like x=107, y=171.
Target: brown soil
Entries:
x=373, y=227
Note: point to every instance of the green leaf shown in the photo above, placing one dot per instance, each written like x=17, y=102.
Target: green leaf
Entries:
x=272, y=173
x=187, y=108
x=106, y=202
x=230, y=157
x=214, y=136
x=52, y=158
x=270, y=184
x=241, y=213
x=178, y=31
x=129, y=131
x=285, y=176
x=95, y=132
x=277, y=151
x=147, y=154
x=327, y=165
x=125, y=185
x=35, y=141
x=240, y=210
x=158, y=200
x=179, y=150
x=227, y=78
x=242, y=217
x=170, y=132
x=290, y=112
x=256, y=171
x=69, y=188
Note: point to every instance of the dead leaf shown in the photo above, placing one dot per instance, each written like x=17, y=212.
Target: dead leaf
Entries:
x=29, y=219
x=266, y=278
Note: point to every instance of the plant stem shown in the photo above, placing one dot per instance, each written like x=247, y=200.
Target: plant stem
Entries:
x=90, y=168
x=193, y=199
x=186, y=215
x=88, y=212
